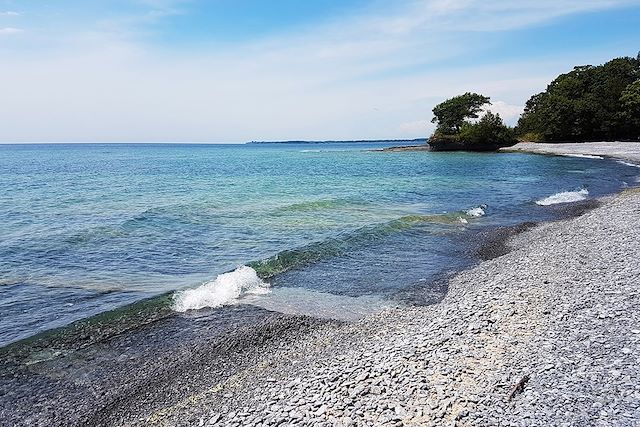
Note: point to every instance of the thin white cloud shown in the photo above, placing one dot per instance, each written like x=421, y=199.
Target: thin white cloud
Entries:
x=508, y=112
x=10, y=30
x=487, y=15
x=9, y=13
x=156, y=12
x=365, y=77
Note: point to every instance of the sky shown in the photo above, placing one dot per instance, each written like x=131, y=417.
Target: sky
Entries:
x=242, y=70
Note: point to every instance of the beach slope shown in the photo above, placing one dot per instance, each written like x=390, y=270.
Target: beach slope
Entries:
x=547, y=334
x=617, y=150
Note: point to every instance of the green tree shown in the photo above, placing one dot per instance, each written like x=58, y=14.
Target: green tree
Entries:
x=457, y=131
x=451, y=114
x=490, y=129
x=584, y=104
x=630, y=114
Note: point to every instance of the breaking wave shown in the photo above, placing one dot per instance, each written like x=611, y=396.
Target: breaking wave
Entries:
x=622, y=162
x=226, y=289
x=584, y=156
x=564, y=197
x=477, y=212
x=230, y=288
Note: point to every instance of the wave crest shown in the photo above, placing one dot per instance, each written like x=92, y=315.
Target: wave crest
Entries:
x=583, y=156
x=635, y=165
x=226, y=289
x=564, y=197
x=477, y=211
x=334, y=246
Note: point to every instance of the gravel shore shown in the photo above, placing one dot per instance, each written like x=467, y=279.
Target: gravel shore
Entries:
x=617, y=150
x=547, y=334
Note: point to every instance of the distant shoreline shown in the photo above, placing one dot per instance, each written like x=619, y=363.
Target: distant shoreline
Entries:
x=185, y=143
x=358, y=141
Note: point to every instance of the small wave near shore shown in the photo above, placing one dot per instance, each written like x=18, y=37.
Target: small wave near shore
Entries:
x=583, y=156
x=477, y=211
x=634, y=165
x=232, y=287
x=564, y=197
x=225, y=289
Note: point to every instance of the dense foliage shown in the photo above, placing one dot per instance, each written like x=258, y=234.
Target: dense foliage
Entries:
x=451, y=114
x=589, y=103
x=631, y=107
x=456, y=129
x=489, y=128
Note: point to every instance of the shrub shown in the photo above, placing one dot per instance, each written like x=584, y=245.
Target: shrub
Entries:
x=530, y=137
x=488, y=130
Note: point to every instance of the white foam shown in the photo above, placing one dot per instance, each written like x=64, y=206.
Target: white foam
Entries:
x=226, y=289
x=564, y=197
x=463, y=220
x=476, y=212
x=622, y=162
x=583, y=156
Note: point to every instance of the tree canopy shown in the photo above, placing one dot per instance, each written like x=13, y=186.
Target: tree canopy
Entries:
x=451, y=114
x=630, y=100
x=490, y=128
x=588, y=103
x=456, y=129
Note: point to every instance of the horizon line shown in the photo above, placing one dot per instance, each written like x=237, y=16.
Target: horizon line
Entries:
x=290, y=141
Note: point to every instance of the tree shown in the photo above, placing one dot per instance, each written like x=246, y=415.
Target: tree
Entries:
x=630, y=114
x=451, y=114
x=490, y=129
x=584, y=104
x=456, y=130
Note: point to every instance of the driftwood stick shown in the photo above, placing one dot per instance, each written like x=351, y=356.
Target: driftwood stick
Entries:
x=519, y=387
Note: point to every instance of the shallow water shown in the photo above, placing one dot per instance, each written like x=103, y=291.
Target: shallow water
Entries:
x=89, y=228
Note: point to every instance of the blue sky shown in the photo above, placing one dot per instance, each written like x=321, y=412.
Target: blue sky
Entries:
x=233, y=71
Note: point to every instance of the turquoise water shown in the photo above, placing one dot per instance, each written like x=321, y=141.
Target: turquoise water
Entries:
x=88, y=228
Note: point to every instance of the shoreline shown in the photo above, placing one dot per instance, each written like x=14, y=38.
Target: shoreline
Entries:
x=564, y=323
x=152, y=382
x=522, y=317
x=622, y=151
x=401, y=148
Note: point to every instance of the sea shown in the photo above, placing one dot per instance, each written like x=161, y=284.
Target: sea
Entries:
x=331, y=230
